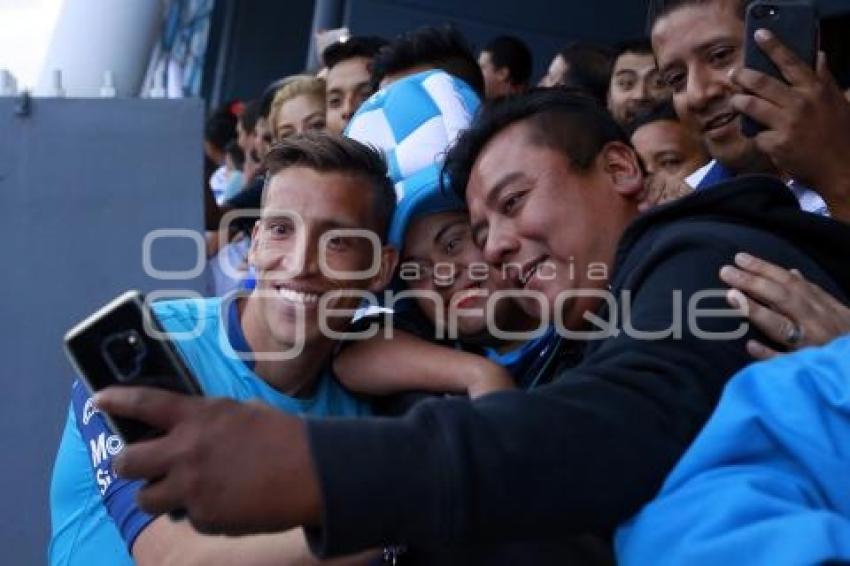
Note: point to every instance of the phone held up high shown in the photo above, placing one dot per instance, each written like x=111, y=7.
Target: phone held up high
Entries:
x=123, y=344
x=795, y=24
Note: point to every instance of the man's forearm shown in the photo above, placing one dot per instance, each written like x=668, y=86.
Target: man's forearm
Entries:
x=166, y=543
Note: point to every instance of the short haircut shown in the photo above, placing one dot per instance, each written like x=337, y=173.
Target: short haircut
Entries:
x=511, y=52
x=220, y=126
x=659, y=8
x=662, y=112
x=363, y=46
x=638, y=46
x=588, y=68
x=249, y=116
x=439, y=47
x=296, y=85
x=566, y=120
x=328, y=153
x=235, y=153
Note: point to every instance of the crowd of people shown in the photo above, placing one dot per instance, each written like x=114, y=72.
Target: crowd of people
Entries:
x=462, y=319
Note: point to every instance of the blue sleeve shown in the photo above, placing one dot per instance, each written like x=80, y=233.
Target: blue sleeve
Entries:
x=119, y=495
x=767, y=479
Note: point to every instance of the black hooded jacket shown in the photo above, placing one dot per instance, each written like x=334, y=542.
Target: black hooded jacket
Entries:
x=583, y=453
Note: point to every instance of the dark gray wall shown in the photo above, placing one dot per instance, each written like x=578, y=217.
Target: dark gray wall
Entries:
x=544, y=24
x=252, y=43
x=81, y=183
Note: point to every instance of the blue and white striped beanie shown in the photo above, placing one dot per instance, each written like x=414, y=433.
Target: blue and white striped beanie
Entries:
x=413, y=122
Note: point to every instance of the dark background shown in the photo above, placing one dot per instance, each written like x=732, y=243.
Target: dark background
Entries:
x=253, y=42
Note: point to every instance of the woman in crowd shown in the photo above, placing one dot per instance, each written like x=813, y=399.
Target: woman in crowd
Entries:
x=298, y=107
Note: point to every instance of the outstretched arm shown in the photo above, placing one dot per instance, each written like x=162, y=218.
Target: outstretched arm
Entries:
x=165, y=542
x=382, y=366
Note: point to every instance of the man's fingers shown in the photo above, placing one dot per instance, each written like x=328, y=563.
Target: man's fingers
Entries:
x=759, y=288
x=158, y=408
x=822, y=70
x=759, y=351
x=762, y=86
x=148, y=460
x=762, y=111
x=795, y=71
x=160, y=497
x=819, y=297
x=766, y=269
x=772, y=324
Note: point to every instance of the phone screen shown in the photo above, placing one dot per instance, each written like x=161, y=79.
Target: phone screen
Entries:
x=122, y=344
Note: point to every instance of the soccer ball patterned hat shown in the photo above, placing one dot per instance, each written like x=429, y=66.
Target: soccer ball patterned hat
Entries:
x=413, y=122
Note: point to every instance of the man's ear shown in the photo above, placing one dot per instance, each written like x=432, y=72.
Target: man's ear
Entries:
x=503, y=73
x=620, y=162
x=389, y=261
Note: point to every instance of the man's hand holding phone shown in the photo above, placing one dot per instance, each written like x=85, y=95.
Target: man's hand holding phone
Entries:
x=201, y=462
x=806, y=122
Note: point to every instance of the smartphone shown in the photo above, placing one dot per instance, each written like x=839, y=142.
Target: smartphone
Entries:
x=795, y=24
x=123, y=344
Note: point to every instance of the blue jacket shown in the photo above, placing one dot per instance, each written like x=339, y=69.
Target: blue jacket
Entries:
x=768, y=479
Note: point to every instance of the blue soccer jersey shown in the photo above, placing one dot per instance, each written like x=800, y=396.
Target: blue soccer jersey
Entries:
x=94, y=515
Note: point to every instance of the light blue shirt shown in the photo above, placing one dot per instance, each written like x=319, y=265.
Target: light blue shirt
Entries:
x=768, y=479
x=94, y=515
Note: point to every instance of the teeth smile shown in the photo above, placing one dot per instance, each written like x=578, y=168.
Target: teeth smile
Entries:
x=720, y=121
x=297, y=297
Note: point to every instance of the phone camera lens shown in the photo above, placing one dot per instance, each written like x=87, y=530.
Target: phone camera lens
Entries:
x=765, y=12
x=123, y=353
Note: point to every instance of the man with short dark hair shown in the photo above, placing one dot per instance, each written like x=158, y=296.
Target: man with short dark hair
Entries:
x=670, y=152
x=428, y=47
x=699, y=45
x=506, y=65
x=636, y=85
x=349, y=65
x=581, y=65
x=551, y=183
x=665, y=145
x=246, y=130
x=266, y=346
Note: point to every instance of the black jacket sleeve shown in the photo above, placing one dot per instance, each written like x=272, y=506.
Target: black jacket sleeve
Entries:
x=579, y=455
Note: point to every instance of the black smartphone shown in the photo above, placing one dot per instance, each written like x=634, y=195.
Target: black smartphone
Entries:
x=795, y=24
x=123, y=344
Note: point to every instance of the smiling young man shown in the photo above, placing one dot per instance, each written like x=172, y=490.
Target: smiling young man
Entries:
x=699, y=45
x=267, y=346
x=636, y=85
x=348, y=85
x=551, y=183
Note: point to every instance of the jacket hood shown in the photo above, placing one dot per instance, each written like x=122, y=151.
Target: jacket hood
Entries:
x=761, y=202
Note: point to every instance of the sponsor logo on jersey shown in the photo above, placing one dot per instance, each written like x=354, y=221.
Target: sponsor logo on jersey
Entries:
x=89, y=409
x=103, y=447
x=104, y=480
